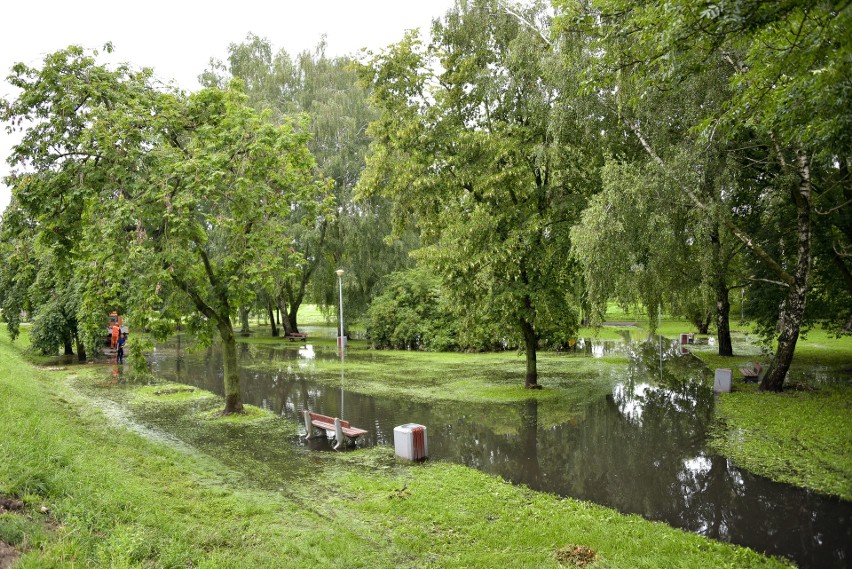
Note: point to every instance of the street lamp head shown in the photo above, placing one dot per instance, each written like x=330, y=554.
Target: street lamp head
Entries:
x=339, y=272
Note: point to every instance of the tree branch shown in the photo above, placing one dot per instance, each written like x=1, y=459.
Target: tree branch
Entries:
x=739, y=233
x=525, y=22
x=202, y=306
x=770, y=281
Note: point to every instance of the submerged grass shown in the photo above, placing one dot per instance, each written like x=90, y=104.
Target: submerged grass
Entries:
x=170, y=392
x=465, y=377
x=124, y=500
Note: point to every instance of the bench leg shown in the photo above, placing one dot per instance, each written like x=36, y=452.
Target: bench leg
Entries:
x=309, y=429
x=338, y=434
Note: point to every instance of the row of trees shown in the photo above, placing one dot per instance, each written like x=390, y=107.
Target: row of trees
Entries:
x=662, y=153
x=538, y=161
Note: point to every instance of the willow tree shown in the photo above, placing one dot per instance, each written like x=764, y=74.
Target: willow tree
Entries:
x=641, y=239
x=479, y=143
x=786, y=116
x=180, y=203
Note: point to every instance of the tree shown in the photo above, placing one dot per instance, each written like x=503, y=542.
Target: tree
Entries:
x=788, y=96
x=473, y=143
x=325, y=90
x=639, y=244
x=177, y=200
x=408, y=314
x=19, y=267
x=640, y=240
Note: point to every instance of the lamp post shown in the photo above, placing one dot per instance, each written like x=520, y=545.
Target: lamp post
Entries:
x=341, y=339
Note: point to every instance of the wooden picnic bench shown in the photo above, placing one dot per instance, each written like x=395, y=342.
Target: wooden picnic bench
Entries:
x=752, y=372
x=293, y=336
x=339, y=427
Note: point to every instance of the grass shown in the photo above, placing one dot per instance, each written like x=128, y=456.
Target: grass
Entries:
x=494, y=377
x=170, y=392
x=120, y=497
x=797, y=437
x=801, y=436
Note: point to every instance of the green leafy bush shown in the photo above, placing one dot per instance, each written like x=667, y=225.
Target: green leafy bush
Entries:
x=410, y=314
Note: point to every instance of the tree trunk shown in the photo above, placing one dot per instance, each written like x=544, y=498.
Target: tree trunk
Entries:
x=793, y=307
x=272, y=318
x=792, y=313
x=723, y=319
x=293, y=313
x=530, y=346
x=722, y=292
x=285, y=321
x=69, y=347
x=244, y=321
x=81, y=349
x=233, y=400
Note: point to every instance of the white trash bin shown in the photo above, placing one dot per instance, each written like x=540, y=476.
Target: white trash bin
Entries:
x=409, y=441
x=722, y=380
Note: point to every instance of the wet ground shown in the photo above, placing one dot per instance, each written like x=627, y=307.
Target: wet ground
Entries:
x=641, y=449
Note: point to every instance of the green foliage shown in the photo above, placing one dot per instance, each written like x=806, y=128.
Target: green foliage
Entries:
x=323, y=89
x=162, y=203
x=20, y=265
x=771, y=80
x=48, y=333
x=472, y=146
x=410, y=314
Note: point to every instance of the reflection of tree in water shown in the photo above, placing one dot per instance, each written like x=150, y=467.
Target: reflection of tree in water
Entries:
x=641, y=450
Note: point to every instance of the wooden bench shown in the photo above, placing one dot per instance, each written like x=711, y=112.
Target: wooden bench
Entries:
x=339, y=427
x=293, y=336
x=752, y=372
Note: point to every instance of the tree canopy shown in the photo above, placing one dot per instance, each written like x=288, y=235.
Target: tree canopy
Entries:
x=781, y=121
x=472, y=143
x=160, y=200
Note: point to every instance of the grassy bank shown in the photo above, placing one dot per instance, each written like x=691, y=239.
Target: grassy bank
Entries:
x=801, y=436
x=797, y=437
x=100, y=490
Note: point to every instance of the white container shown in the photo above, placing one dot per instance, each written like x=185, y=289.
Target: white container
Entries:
x=409, y=441
x=722, y=380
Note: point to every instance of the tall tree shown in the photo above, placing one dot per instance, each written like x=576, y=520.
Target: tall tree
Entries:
x=473, y=143
x=325, y=90
x=178, y=200
x=641, y=239
x=19, y=268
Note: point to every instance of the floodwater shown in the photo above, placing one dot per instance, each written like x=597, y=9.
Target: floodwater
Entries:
x=640, y=450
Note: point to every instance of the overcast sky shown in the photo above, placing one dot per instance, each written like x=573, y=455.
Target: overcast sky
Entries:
x=177, y=38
